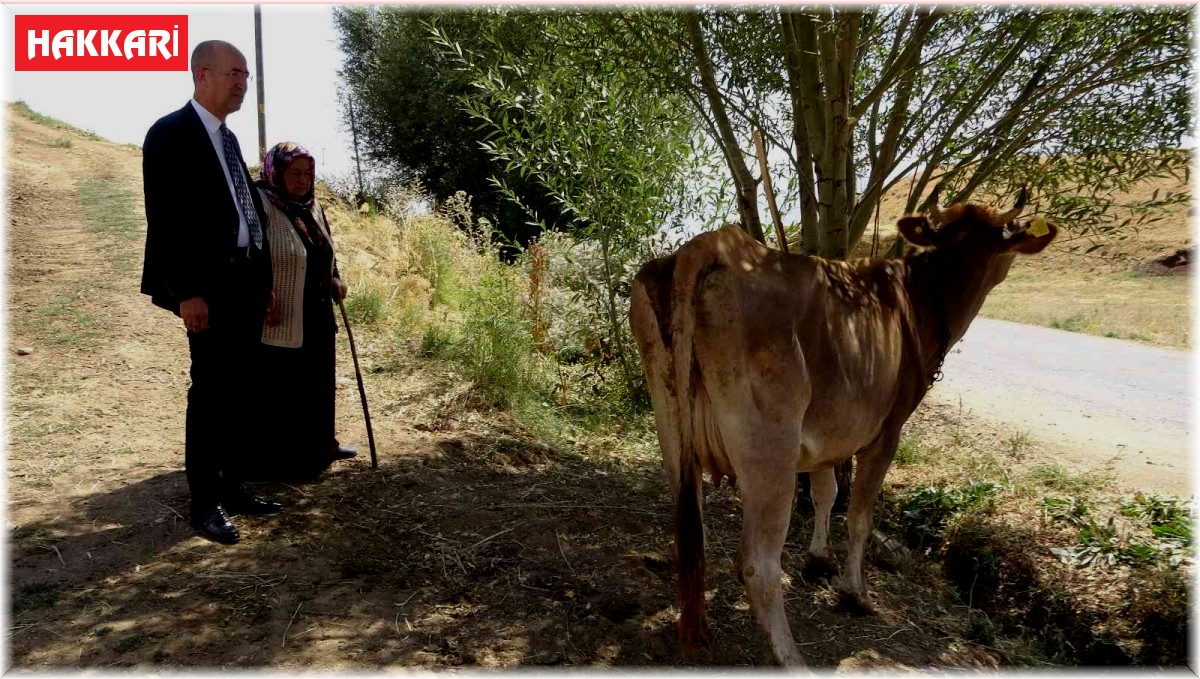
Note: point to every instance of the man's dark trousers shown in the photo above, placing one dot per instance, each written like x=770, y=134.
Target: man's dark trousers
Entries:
x=221, y=411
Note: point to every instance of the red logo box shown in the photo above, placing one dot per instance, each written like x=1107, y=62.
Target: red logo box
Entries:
x=101, y=42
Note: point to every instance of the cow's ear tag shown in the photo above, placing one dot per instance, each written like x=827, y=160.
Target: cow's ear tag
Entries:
x=917, y=229
x=1037, y=227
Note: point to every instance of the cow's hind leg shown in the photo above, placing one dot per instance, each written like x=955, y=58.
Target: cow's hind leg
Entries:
x=873, y=463
x=820, y=563
x=766, y=511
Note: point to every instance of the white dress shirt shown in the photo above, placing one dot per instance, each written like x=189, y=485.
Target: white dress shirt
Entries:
x=213, y=125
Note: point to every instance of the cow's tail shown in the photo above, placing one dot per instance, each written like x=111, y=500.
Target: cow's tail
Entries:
x=692, y=262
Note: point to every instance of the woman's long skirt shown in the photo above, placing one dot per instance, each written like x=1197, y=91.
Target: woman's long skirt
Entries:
x=298, y=385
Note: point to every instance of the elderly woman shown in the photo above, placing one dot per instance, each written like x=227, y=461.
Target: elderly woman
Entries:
x=298, y=335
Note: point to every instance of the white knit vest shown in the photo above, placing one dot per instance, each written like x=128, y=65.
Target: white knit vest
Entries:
x=289, y=264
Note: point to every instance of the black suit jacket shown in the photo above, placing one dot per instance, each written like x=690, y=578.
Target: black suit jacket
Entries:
x=191, y=218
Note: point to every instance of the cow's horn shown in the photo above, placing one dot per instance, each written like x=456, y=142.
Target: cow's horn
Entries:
x=1016, y=209
x=931, y=204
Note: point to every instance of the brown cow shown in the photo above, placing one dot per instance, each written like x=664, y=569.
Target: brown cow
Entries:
x=762, y=364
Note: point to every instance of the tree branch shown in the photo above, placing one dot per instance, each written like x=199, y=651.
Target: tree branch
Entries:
x=935, y=156
x=744, y=185
x=885, y=161
x=911, y=51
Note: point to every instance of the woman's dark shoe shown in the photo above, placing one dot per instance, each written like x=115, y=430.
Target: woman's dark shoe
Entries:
x=216, y=526
x=344, y=452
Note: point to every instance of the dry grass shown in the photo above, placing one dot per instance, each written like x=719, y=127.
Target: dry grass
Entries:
x=1143, y=308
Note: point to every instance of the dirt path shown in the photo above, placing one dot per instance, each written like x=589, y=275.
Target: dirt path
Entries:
x=469, y=546
x=65, y=301
x=1090, y=401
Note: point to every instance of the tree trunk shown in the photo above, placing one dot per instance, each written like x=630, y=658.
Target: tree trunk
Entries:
x=631, y=380
x=838, y=47
x=811, y=237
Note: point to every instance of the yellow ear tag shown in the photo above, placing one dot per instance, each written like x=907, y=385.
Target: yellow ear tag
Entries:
x=916, y=229
x=1037, y=227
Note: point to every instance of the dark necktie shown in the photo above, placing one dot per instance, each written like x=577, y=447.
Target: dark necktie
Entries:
x=233, y=160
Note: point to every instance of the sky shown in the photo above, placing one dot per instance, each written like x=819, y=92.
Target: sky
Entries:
x=300, y=62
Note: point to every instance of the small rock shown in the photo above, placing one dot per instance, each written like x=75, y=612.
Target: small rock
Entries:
x=891, y=551
x=24, y=351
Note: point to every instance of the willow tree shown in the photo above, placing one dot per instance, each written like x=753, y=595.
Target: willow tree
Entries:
x=1075, y=104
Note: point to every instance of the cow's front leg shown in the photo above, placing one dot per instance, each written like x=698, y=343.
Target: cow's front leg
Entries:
x=820, y=563
x=873, y=463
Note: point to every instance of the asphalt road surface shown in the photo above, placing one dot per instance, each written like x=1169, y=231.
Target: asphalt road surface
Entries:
x=1088, y=401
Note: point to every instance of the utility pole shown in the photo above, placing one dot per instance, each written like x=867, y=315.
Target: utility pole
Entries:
x=258, y=67
x=354, y=134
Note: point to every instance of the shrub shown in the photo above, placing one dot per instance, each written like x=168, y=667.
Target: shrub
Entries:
x=929, y=510
x=1169, y=518
x=496, y=346
x=364, y=306
x=1073, y=509
x=436, y=342
x=573, y=301
x=993, y=565
x=435, y=246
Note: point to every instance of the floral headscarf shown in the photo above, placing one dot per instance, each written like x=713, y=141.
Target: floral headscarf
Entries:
x=276, y=162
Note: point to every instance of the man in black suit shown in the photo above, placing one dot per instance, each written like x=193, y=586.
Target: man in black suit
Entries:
x=207, y=261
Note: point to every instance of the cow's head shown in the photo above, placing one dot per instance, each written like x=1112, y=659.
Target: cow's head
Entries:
x=970, y=236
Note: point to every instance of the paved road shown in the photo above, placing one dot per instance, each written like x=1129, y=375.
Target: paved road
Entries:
x=1092, y=399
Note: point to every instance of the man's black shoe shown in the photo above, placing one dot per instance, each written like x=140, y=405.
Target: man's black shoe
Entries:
x=243, y=502
x=216, y=526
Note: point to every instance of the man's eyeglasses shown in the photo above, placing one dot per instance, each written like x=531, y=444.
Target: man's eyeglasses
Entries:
x=235, y=73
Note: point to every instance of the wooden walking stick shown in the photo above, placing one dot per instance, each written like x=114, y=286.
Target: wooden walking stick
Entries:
x=361, y=391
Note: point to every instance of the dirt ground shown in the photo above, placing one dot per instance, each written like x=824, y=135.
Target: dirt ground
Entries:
x=469, y=545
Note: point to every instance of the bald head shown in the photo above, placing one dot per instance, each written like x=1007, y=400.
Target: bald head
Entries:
x=209, y=52
x=219, y=75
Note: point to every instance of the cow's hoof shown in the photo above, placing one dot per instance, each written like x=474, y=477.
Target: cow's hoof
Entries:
x=855, y=604
x=818, y=568
x=792, y=660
